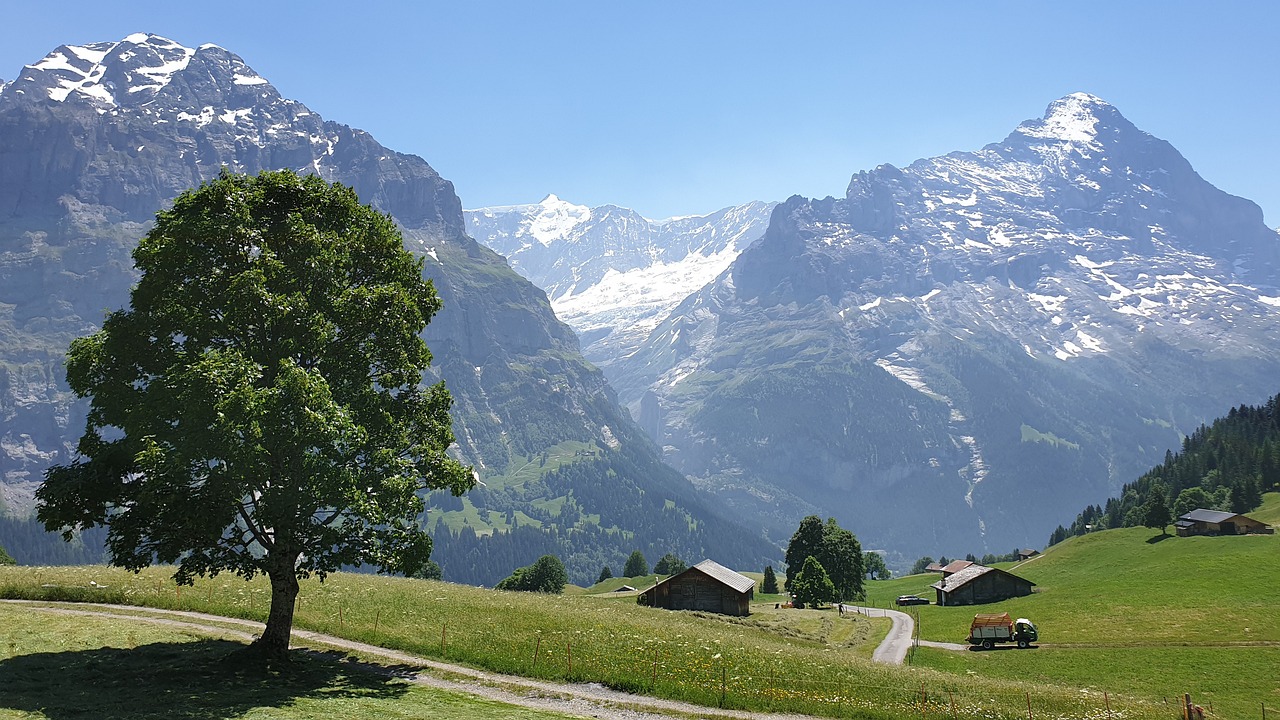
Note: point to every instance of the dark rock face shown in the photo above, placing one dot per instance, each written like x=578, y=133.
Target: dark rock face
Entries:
x=960, y=354
x=95, y=139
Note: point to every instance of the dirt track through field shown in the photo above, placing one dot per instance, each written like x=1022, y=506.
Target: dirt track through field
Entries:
x=575, y=699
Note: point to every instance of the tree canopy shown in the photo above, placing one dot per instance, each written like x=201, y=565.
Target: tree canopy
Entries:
x=769, y=586
x=636, y=565
x=669, y=564
x=545, y=575
x=835, y=548
x=259, y=407
x=812, y=585
x=6, y=558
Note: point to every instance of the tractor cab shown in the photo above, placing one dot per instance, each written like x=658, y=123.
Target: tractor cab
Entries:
x=1024, y=631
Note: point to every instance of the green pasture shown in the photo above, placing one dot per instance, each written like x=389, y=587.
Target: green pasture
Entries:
x=57, y=667
x=813, y=661
x=1134, y=611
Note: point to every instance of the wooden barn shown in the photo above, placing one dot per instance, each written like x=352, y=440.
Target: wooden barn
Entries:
x=979, y=584
x=707, y=586
x=1216, y=522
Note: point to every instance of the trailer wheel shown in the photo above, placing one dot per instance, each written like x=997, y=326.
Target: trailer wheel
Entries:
x=1024, y=644
x=987, y=644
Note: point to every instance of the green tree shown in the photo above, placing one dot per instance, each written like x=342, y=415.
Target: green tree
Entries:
x=921, y=565
x=770, y=584
x=545, y=575
x=259, y=407
x=430, y=571
x=669, y=564
x=835, y=548
x=636, y=565
x=812, y=585
x=6, y=558
x=1156, y=514
x=1191, y=499
x=873, y=563
x=605, y=574
x=806, y=542
x=841, y=557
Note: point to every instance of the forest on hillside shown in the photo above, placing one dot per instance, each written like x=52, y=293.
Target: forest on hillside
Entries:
x=1223, y=466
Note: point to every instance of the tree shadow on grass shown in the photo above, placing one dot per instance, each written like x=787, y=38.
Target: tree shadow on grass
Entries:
x=176, y=680
x=1158, y=538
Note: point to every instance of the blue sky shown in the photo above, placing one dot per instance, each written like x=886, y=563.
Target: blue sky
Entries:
x=677, y=108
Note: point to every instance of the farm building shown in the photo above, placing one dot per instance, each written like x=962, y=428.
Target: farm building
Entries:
x=707, y=586
x=933, y=567
x=1027, y=553
x=955, y=566
x=1216, y=522
x=979, y=584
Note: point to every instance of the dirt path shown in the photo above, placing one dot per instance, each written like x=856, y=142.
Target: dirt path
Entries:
x=574, y=699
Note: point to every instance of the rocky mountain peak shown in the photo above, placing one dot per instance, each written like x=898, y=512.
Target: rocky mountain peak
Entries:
x=1074, y=118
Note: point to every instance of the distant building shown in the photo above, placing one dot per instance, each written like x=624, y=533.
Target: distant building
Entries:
x=1216, y=522
x=933, y=567
x=977, y=584
x=707, y=586
x=956, y=566
x=1027, y=553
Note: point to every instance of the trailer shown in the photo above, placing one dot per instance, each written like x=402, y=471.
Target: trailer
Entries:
x=991, y=628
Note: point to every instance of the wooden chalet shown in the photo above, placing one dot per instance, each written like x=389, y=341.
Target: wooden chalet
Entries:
x=933, y=567
x=1027, y=553
x=955, y=566
x=1217, y=522
x=979, y=584
x=707, y=586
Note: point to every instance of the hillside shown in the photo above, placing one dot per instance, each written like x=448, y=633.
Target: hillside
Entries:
x=1112, y=606
x=1225, y=465
x=94, y=139
x=956, y=355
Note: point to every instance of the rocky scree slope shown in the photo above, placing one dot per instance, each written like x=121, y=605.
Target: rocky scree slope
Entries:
x=956, y=355
x=95, y=138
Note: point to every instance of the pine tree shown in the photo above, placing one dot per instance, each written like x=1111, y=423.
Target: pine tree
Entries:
x=770, y=584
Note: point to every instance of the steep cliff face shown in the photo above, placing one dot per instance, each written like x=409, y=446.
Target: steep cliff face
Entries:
x=94, y=139
x=980, y=343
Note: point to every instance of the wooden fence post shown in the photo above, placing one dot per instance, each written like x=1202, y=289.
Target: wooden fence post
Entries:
x=536, y=649
x=444, y=630
x=1028, y=705
x=653, y=681
x=568, y=648
x=1107, y=699
x=377, y=617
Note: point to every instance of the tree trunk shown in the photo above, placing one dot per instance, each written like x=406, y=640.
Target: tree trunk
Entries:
x=274, y=643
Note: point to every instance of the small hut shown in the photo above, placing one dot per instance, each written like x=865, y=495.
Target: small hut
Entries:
x=707, y=586
x=979, y=584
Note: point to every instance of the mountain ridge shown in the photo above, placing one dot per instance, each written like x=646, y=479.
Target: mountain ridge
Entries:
x=95, y=139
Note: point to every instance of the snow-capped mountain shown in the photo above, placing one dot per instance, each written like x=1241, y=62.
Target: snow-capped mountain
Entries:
x=960, y=354
x=95, y=139
x=610, y=273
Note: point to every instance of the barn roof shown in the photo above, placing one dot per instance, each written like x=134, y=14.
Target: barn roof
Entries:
x=1207, y=516
x=741, y=583
x=956, y=566
x=959, y=579
x=717, y=572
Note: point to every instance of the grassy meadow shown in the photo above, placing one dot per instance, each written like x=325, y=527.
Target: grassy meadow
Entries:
x=57, y=666
x=1129, y=619
x=1136, y=611
x=812, y=661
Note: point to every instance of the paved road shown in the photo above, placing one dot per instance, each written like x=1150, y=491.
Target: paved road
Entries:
x=893, y=649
